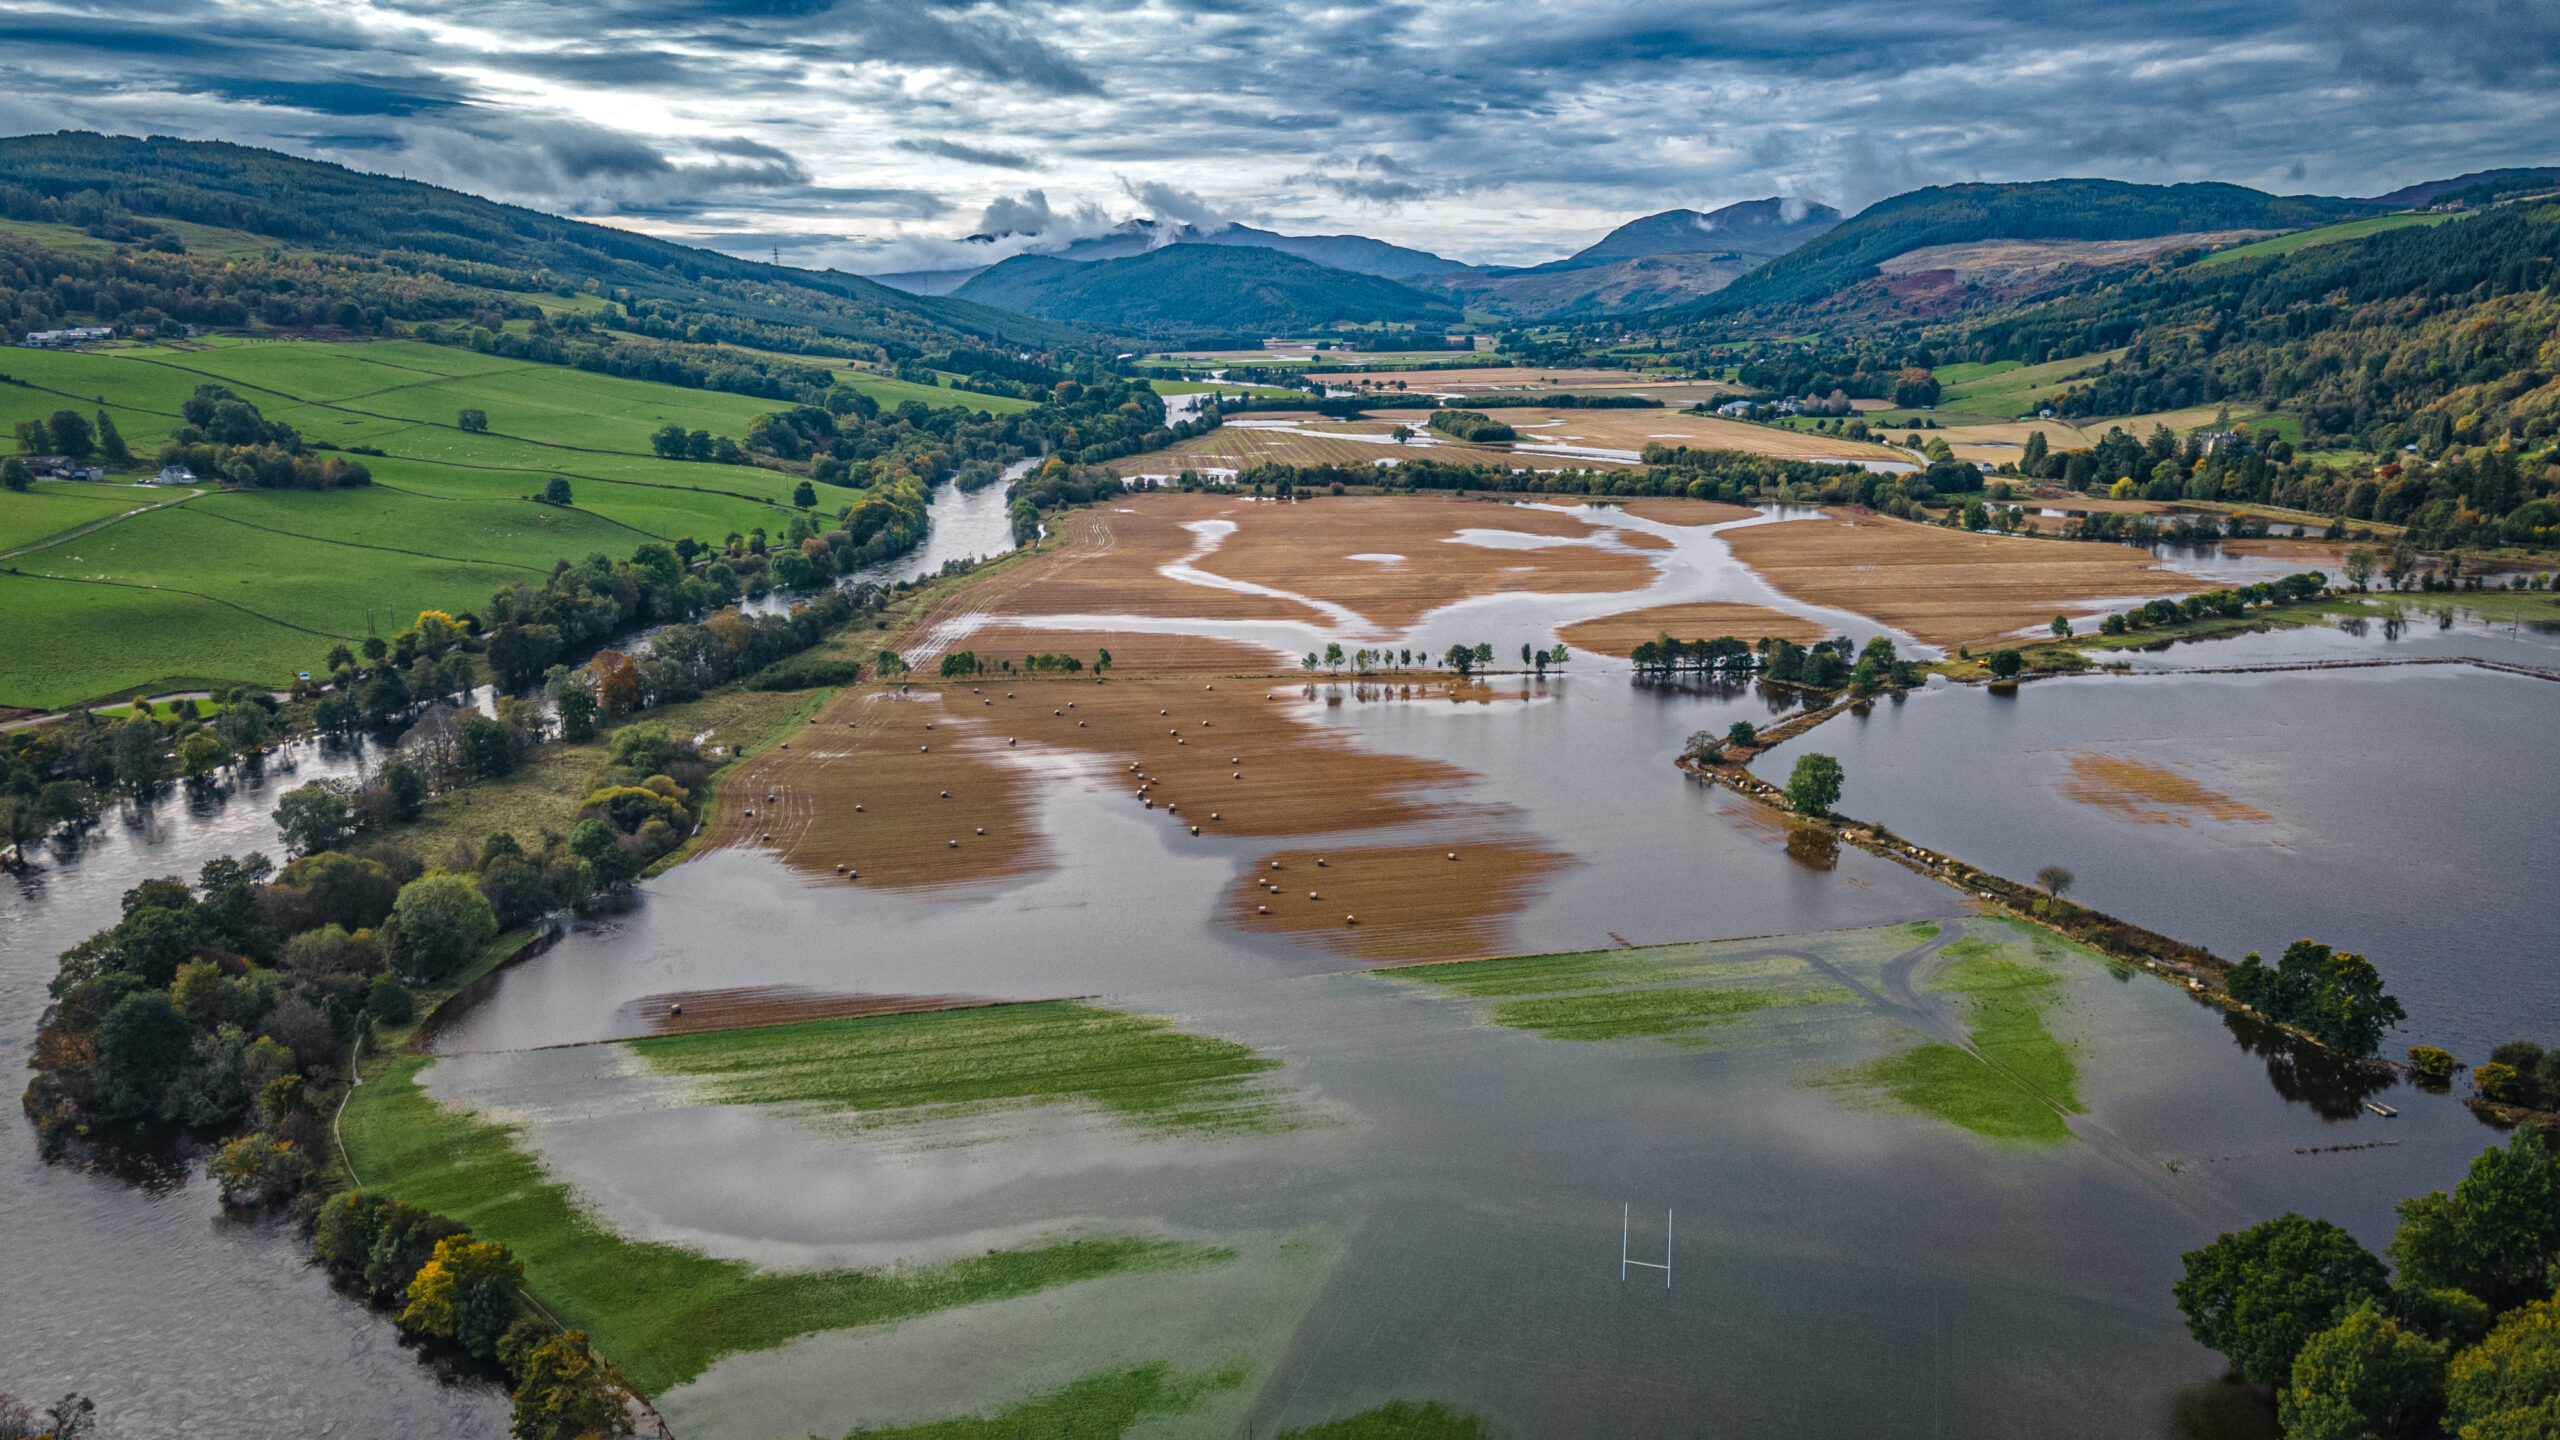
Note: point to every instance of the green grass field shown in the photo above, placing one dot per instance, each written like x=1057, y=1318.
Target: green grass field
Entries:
x=661, y=1312
x=2324, y=235
x=253, y=586
x=903, y=1068
x=54, y=506
x=2006, y=389
x=2017, y=1081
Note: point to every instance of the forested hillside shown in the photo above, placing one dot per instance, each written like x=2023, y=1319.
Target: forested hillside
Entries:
x=1203, y=290
x=2437, y=334
x=400, y=237
x=2042, y=210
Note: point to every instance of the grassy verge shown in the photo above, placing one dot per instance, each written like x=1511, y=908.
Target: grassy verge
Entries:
x=905, y=1068
x=2017, y=1080
x=1100, y=1406
x=663, y=1313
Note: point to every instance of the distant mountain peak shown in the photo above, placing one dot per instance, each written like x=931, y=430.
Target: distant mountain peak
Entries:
x=1757, y=228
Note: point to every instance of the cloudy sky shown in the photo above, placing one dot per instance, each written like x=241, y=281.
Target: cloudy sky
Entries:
x=872, y=134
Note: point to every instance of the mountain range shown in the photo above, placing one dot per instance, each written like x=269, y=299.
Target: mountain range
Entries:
x=1200, y=292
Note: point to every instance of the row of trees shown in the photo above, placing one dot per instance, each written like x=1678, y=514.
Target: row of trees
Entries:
x=2458, y=1335
x=465, y=1297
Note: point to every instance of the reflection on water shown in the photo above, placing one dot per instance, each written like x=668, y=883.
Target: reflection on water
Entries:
x=2393, y=818
x=176, y=1320
x=2333, y=1085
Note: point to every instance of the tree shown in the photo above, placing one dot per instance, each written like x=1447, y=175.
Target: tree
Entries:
x=487, y=751
x=71, y=435
x=888, y=663
x=2496, y=1236
x=804, y=495
x=1484, y=653
x=1461, y=658
x=2259, y=1295
x=1333, y=655
x=1558, y=656
x=313, y=818
x=407, y=789
x=563, y=1394
x=475, y=421
x=556, y=491
x=2055, y=880
x=2364, y=1377
x=110, y=443
x=465, y=1293
x=2507, y=1387
x=2360, y=562
x=1742, y=735
x=199, y=753
x=596, y=843
x=142, y=1044
x=2335, y=996
x=2061, y=627
x=15, y=475
x=437, y=926
x=1814, y=787
x=2005, y=664
x=138, y=752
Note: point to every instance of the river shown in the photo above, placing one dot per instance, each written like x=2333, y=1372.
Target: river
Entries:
x=177, y=1320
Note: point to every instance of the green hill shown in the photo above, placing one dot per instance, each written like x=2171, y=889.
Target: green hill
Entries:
x=404, y=229
x=2038, y=210
x=1194, y=290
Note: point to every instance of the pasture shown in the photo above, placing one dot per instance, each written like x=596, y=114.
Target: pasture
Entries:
x=2324, y=235
x=234, y=586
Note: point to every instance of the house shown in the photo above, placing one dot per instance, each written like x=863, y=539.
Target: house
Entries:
x=174, y=475
x=2212, y=440
x=56, y=339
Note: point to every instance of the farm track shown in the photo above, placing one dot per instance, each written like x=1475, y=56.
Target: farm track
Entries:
x=91, y=527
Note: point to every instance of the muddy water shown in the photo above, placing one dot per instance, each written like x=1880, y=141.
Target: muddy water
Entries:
x=177, y=1321
x=2406, y=814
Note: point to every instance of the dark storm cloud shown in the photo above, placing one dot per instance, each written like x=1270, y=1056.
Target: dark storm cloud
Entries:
x=970, y=154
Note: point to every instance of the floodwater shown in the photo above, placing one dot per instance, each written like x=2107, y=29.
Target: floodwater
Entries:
x=175, y=1319
x=2401, y=813
x=1437, y=1229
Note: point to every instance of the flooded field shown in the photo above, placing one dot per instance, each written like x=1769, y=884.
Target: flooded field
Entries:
x=2243, y=812
x=1915, y=1171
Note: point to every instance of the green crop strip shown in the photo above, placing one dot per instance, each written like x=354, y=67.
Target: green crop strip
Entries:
x=661, y=1312
x=1552, y=974
x=896, y=1069
x=1099, y=1406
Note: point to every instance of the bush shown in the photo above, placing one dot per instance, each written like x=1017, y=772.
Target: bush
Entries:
x=2005, y=664
x=2431, y=1062
x=465, y=1293
x=390, y=1002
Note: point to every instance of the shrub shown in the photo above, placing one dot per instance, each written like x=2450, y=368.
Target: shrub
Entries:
x=805, y=672
x=437, y=927
x=2431, y=1062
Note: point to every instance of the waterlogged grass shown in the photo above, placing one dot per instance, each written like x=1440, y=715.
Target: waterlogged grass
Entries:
x=894, y=1069
x=2017, y=1081
x=1100, y=1406
x=1397, y=1420
x=1621, y=994
x=661, y=1312
x=1658, y=1013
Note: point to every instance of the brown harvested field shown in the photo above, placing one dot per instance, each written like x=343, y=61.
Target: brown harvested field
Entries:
x=1234, y=758
x=2309, y=554
x=1620, y=634
x=1105, y=560
x=2014, y=262
x=2149, y=794
x=1411, y=902
x=686, y=1012
x=2096, y=505
x=1686, y=512
x=1947, y=587
x=919, y=790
